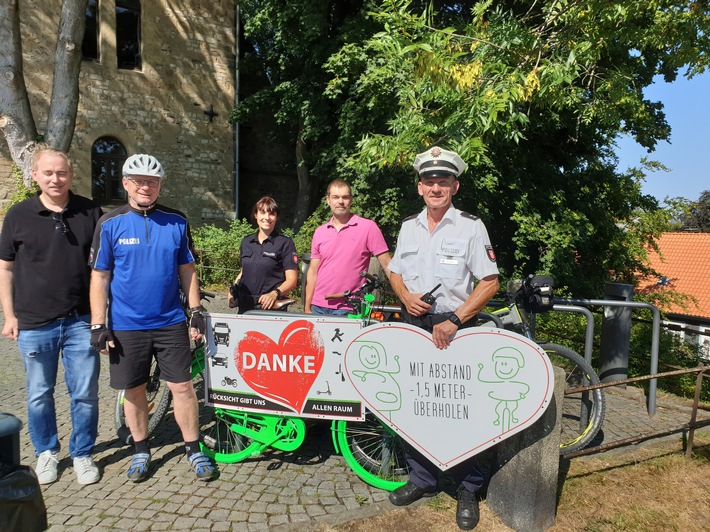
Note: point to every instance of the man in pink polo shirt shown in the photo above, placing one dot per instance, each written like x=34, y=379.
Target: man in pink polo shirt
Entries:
x=340, y=250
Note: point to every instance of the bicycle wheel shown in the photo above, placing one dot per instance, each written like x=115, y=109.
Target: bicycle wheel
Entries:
x=373, y=451
x=583, y=413
x=158, y=395
x=222, y=443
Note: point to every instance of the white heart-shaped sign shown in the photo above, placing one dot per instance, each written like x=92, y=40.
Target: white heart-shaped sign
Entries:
x=453, y=403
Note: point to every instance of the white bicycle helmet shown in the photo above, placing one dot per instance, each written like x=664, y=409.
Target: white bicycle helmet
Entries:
x=143, y=164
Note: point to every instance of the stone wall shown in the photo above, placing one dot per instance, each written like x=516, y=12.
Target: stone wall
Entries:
x=188, y=67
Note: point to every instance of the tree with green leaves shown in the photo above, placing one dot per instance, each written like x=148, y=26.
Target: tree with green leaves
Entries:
x=698, y=214
x=284, y=49
x=532, y=94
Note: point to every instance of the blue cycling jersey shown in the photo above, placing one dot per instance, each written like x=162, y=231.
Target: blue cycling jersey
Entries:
x=142, y=250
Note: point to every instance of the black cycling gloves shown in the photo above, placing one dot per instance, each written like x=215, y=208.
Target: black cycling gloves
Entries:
x=197, y=319
x=100, y=337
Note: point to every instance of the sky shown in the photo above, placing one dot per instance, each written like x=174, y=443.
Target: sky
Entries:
x=687, y=107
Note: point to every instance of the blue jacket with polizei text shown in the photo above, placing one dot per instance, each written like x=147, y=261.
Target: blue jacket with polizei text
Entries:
x=142, y=250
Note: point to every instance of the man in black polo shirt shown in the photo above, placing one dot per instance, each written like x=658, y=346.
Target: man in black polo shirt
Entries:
x=44, y=292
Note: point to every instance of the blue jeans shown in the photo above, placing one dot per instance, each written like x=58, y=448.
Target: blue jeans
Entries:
x=325, y=311
x=40, y=349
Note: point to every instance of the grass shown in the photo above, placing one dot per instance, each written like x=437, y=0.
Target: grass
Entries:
x=361, y=499
x=649, y=488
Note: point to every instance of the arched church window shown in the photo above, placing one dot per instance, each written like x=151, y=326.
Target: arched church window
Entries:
x=107, y=158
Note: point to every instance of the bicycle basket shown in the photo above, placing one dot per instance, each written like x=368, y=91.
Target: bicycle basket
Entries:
x=538, y=293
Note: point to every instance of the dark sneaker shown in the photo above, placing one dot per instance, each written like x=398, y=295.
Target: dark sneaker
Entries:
x=467, y=514
x=202, y=466
x=409, y=493
x=140, y=464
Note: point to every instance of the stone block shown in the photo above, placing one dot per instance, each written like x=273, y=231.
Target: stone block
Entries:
x=523, y=486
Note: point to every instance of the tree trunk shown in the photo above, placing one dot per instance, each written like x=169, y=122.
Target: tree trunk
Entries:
x=306, y=186
x=67, y=65
x=16, y=121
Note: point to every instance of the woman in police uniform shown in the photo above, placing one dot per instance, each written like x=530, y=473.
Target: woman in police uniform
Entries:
x=268, y=259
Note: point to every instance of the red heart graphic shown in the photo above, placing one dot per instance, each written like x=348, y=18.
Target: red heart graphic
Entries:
x=285, y=371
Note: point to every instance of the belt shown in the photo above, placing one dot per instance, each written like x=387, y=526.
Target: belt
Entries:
x=71, y=314
x=427, y=321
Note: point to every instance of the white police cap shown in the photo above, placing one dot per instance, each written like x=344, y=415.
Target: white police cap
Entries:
x=436, y=162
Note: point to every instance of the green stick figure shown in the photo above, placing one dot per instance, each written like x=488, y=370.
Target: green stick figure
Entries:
x=507, y=362
x=378, y=370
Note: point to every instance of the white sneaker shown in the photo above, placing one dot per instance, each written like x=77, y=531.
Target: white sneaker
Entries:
x=46, y=468
x=86, y=470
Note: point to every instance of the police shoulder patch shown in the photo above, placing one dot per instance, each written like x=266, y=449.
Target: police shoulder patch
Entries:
x=491, y=254
x=469, y=215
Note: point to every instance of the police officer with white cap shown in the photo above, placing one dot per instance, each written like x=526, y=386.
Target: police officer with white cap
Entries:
x=444, y=272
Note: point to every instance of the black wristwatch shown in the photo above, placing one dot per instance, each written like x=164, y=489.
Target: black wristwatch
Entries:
x=453, y=318
x=278, y=292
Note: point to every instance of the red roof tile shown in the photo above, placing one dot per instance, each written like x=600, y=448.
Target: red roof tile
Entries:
x=686, y=264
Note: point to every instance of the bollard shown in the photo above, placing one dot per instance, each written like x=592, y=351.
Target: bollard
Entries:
x=22, y=507
x=616, y=334
x=10, y=428
x=523, y=487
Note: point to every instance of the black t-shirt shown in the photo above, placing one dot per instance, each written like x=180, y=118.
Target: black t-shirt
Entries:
x=50, y=271
x=263, y=265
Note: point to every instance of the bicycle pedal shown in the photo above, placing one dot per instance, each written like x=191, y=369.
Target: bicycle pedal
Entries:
x=209, y=442
x=124, y=433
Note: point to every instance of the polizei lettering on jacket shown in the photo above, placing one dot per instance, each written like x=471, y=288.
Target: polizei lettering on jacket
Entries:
x=278, y=362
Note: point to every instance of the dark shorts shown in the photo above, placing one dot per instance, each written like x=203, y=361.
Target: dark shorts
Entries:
x=131, y=359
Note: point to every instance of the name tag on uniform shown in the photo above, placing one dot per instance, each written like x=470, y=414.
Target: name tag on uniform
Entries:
x=449, y=261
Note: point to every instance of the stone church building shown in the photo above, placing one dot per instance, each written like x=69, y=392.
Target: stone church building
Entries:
x=157, y=77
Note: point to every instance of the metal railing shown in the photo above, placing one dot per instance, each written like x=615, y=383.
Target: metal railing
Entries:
x=580, y=306
x=692, y=425
x=655, y=335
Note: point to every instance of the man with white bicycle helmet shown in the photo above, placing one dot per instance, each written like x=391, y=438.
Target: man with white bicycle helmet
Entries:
x=141, y=257
x=444, y=272
x=142, y=164
x=142, y=169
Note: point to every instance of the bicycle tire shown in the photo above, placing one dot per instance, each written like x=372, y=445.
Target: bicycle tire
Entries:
x=373, y=451
x=576, y=434
x=158, y=395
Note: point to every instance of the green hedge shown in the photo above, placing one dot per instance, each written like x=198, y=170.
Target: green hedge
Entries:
x=218, y=252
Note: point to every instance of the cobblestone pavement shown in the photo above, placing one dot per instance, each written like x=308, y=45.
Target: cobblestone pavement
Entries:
x=277, y=491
